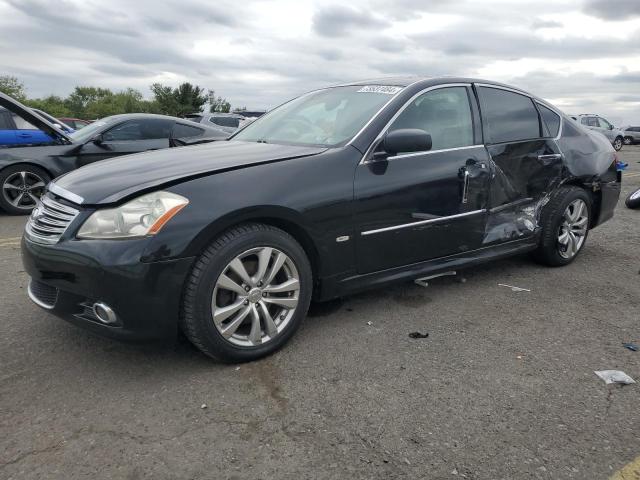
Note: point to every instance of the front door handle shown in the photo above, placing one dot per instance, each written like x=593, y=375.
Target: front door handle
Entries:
x=464, y=173
x=24, y=135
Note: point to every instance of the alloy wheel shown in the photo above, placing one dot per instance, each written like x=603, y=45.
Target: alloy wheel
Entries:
x=617, y=143
x=573, y=229
x=627, y=140
x=255, y=296
x=23, y=189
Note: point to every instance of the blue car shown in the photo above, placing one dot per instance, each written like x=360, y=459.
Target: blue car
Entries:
x=14, y=130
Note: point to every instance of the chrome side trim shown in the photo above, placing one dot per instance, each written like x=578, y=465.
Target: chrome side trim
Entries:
x=423, y=222
x=400, y=110
x=37, y=301
x=64, y=193
x=429, y=152
x=506, y=206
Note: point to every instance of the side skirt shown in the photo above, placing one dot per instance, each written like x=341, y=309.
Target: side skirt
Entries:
x=333, y=287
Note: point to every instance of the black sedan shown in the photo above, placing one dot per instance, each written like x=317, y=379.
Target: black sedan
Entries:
x=339, y=190
x=26, y=169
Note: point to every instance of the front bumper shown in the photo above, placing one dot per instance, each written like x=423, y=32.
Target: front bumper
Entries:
x=69, y=277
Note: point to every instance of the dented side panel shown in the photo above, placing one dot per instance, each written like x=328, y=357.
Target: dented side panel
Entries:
x=523, y=175
x=526, y=173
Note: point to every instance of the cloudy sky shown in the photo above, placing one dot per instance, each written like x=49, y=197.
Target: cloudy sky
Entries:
x=582, y=55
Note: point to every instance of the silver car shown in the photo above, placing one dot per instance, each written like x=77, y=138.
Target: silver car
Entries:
x=631, y=135
x=227, y=122
x=599, y=124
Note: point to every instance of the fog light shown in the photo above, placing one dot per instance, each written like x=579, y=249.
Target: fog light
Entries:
x=104, y=313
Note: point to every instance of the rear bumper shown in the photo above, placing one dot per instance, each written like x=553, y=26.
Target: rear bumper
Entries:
x=68, y=278
x=610, y=193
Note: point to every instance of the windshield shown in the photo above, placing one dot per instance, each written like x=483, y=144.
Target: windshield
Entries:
x=327, y=118
x=90, y=130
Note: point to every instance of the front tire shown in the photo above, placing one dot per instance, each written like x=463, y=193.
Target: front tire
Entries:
x=627, y=141
x=247, y=293
x=20, y=188
x=565, y=224
x=633, y=200
x=617, y=144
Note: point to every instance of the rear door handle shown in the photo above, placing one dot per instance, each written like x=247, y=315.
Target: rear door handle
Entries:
x=24, y=135
x=549, y=157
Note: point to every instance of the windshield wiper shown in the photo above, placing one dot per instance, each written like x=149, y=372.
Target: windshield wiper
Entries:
x=261, y=140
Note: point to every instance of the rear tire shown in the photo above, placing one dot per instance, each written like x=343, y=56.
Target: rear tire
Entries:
x=247, y=293
x=633, y=200
x=617, y=144
x=627, y=141
x=565, y=221
x=20, y=187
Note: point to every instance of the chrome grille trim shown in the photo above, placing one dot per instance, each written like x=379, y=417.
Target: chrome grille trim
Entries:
x=48, y=221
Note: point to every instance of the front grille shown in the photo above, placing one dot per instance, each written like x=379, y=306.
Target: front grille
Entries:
x=44, y=295
x=48, y=221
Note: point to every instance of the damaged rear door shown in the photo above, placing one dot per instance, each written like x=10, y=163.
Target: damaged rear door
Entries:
x=520, y=137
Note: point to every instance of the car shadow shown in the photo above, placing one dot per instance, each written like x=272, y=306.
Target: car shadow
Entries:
x=180, y=354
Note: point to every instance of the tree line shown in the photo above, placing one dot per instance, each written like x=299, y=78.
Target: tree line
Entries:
x=90, y=103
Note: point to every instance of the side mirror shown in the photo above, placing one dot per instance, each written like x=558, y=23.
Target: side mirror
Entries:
x=406, y=140
x=97, y=139
x=611, y=127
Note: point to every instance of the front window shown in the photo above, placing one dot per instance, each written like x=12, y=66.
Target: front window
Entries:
x=327, y=118
x=604, y=124
x=445, y=114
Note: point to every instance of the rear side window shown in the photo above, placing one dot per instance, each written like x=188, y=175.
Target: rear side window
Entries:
x=443, y=113
x=590, y=121
x=551, y=119
x=508, y=116
x=181, y=130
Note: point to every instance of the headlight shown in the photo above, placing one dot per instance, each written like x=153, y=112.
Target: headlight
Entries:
x=142, y=216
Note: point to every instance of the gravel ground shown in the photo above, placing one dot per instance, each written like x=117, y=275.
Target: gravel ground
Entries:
x=503, y=387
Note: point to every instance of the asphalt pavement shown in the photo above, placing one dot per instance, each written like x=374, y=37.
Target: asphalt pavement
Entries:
x=502, y=388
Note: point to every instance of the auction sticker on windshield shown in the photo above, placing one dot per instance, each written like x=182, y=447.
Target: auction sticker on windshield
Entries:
x=388, y=89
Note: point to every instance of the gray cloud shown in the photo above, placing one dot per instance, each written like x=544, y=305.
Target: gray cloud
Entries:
x=388, y=44
x=258, y=54
x=336, y=20
x=613, y=10
x=539, y=23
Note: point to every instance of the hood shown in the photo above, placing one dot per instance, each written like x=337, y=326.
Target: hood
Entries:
x=110, y=181
x=32, y=117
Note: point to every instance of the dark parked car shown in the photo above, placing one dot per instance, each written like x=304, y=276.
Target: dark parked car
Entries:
x=57, y=122
x=26, y=168
x=339, y=190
